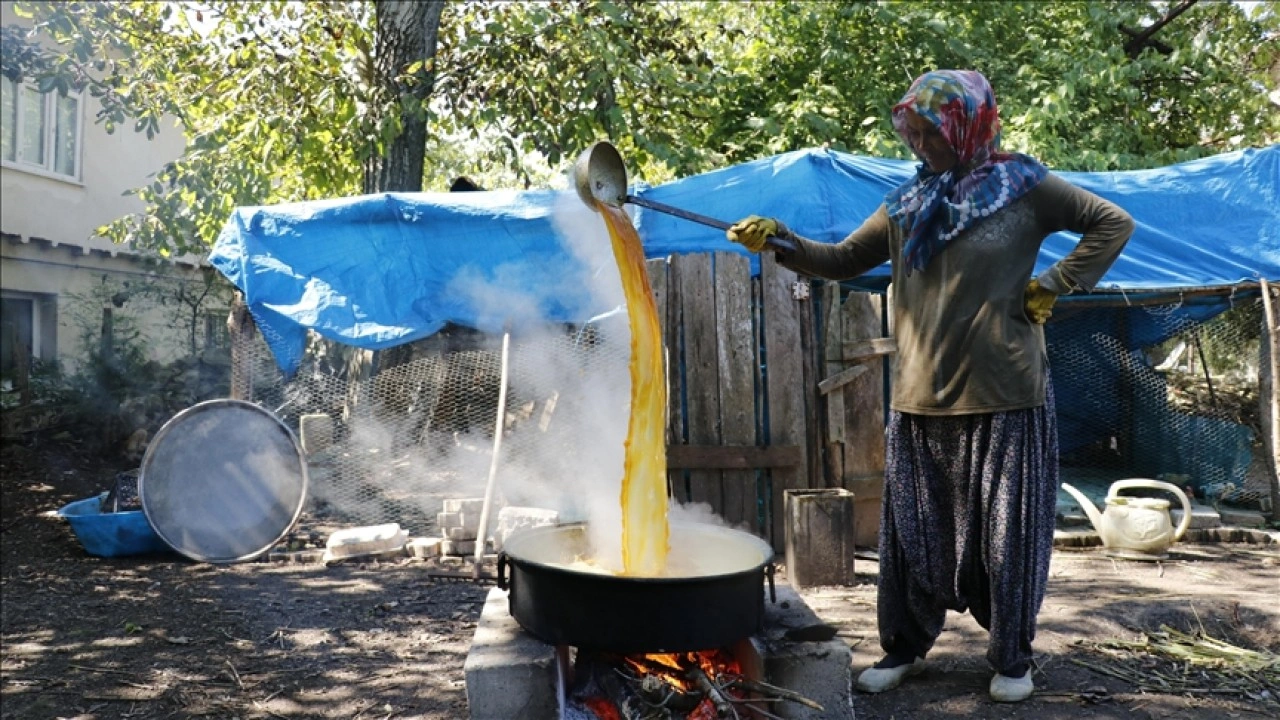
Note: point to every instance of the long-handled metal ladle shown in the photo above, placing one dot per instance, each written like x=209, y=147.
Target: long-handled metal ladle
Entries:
x=601, y=176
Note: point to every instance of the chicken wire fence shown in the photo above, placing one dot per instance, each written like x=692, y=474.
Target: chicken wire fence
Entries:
x=389, y=444
x=1165, y=391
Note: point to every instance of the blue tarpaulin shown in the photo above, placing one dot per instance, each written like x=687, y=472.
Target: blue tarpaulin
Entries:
x=381, y=270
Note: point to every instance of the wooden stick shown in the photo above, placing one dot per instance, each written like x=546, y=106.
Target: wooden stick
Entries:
x=1274, y=401
x=785, y=694
x=235, y=675
x=630, y=705
x=483, y=533
x=754, y=706
x=101, y=670
x=723, y=708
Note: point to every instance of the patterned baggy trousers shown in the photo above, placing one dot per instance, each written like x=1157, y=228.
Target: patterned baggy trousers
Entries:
x=967, y=524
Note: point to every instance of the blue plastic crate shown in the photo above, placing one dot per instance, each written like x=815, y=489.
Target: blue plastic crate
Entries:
x=111, y=534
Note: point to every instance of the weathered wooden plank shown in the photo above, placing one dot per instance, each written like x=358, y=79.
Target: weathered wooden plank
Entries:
x=864, y=350
x=864, y=403
x=673, y=338
x=784, y=383
x=864, y=397
x=833, y=404
x=842, y=378
x=761, y=521
x=734, y=457
x=657, y=271
x=701, y=370
x=811, y=364
x=868, y=491
x=735, y=356
x=832, y=328
x=833, y=453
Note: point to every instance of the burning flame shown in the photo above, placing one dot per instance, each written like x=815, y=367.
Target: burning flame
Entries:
x=603, y=708
x=644, y=482
x=673, y=667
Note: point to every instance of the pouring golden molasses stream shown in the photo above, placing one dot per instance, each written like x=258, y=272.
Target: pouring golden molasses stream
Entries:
x=644, y=482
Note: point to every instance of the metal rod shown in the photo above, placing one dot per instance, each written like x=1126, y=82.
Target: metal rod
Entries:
x=1204, y=365
x=1136, y=297
x=776, y=242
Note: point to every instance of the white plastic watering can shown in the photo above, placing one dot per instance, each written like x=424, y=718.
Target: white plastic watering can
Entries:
x=1136, y=527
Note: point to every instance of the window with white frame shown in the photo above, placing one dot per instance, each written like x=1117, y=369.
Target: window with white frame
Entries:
x=41, y=131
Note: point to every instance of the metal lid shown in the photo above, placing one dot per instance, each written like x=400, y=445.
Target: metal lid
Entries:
x=223, y=481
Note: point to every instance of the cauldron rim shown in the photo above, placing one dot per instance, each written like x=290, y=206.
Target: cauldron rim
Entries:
x=522, y=536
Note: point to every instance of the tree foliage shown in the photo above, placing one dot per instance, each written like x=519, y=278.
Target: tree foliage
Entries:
x=284, y=101
x=270, y=95
x=549, y=78
x=828, y=73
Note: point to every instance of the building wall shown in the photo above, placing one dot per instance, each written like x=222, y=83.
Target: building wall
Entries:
x=72, y=289
x=51, y=255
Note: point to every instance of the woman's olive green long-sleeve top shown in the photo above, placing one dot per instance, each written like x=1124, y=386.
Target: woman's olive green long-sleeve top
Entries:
x=965, y=344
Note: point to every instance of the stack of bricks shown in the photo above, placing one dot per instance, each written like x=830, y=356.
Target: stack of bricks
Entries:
x=459, y=523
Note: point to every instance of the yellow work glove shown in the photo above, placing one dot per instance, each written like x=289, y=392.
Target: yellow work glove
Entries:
x=752, y=231
x=1038, y=302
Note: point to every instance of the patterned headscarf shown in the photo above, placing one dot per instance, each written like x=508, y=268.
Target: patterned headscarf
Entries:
x=933, y=208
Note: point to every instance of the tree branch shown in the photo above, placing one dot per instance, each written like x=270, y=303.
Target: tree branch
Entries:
x=1135, y=46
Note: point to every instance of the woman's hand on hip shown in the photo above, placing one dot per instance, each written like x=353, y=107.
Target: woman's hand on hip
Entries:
x=1038, y=302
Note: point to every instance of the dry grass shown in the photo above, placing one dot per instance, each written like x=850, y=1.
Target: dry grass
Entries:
x=1171, y=661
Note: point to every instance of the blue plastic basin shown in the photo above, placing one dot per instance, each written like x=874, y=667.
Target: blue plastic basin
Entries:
x=111, y=534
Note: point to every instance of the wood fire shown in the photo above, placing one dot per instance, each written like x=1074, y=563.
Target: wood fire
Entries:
x=668, y=686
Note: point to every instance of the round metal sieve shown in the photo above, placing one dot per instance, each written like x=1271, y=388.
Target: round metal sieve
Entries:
x=223, y=481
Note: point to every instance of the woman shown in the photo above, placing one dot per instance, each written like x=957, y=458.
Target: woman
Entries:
x=971, y=472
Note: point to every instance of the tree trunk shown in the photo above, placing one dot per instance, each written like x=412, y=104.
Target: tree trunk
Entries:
x=406, y=33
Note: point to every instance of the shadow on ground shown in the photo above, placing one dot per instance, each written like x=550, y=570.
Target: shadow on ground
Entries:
x=1228, y=591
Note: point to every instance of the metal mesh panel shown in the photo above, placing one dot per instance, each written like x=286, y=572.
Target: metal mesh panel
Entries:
x=389, y=445
x=1163, y=391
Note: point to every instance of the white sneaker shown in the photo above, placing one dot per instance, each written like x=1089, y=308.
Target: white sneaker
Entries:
x=1011, y=689
x=874, y=679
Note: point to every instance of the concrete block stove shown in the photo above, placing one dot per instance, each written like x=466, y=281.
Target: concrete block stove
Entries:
x=511, y=675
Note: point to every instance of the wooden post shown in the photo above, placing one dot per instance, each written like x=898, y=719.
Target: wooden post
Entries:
x=802, y=293
x=833, y=402
x=735, y=356
x=1269, y=393
x=657, y=271
x=853, y=391
x=784, y=382
x=663, y=279
x=701, y=370
x=240, y=328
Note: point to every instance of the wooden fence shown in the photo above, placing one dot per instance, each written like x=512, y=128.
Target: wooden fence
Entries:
x=776, y=383
x=773, y=386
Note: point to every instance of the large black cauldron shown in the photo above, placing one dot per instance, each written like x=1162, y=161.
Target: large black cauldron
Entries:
x=716, y=599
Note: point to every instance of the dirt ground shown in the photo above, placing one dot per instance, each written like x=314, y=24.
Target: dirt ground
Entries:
x=160, y=637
